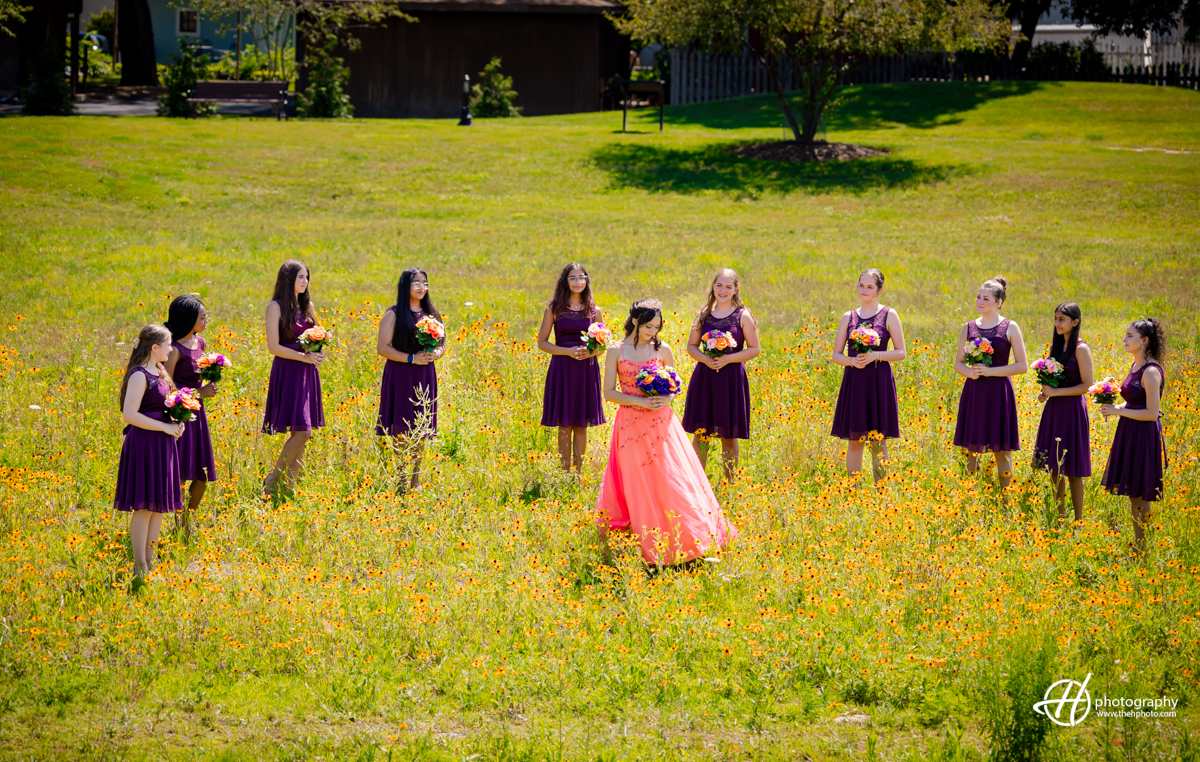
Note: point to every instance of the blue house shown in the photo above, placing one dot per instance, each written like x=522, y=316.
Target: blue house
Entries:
x=171, y=24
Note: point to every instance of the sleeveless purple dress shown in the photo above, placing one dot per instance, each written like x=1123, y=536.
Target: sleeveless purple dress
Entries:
x=399, y=408
x=294, y=390
x=196, y=461
x=148, y=473
x=1135, y=462
x=572, y=397
x=718, y=402
x=867, y=400
x=987, y=408
x=1063, y=440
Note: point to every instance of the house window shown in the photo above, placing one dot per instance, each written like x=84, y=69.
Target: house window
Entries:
x=189, y=22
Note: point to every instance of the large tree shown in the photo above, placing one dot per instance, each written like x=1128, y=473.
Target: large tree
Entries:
x=1137, y=18
x=1026, y=13
x=139, y=64
x=821, y=38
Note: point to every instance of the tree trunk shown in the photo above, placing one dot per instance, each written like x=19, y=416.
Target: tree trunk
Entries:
x=1027, y=16
x=772, y=68
x=820, y=80
x=138, y=64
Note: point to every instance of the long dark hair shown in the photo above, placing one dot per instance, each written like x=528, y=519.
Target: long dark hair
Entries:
x=147, y=337
x=562, y=292
x=705, y=313
x=289, y=304
x=1156, y=339
x=641, y=312
x=182, y=316
x=404, y=335
x=1064, y=349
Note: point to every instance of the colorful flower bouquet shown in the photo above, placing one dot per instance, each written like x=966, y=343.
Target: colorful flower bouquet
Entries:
x=717, y=343
x=599, y=336
x=1104, y=392
x=978, y=352
x=315, y=339
x=1050, y=372
x=863, y=339
x=430, y=333
x=182, y=405
x=658, y=381
x=212, y=365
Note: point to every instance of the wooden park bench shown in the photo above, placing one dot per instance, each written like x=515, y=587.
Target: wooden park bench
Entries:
x=233, y=91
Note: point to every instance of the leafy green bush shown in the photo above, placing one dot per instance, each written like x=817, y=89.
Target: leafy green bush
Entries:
x=105, y=23
x=254, y=65
x=493, y=95
x=1065, y=60
x=48, y=93
x=187, y=66
x=325, y=97
x=1009, y=690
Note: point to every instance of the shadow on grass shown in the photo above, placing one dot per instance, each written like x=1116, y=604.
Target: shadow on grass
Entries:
x=712, y=167
x=921, y=105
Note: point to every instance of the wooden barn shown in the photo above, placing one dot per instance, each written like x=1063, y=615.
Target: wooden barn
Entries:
x=558, y=52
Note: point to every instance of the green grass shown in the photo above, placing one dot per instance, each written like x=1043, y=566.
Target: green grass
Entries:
x=474, y=618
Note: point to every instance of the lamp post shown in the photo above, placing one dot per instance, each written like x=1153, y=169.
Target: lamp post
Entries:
x=465, y=119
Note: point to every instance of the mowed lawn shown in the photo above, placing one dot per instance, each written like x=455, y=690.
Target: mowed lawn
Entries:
x=916, y=619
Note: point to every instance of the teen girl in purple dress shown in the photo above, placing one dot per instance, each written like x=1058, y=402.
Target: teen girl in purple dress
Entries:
x=186, y=318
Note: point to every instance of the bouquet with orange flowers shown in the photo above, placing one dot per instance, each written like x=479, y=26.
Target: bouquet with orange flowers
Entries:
x=430, y=333
x=315, y=339
x=658, y=380
x=212, y=365
x=863, y=339
x=599, y=336
x=1104, y=392
x=1050, y=372
x=717, y=343
x=182, y=405
x=978, y=352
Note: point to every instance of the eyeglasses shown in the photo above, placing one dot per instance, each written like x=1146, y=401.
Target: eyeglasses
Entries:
x=420, y=284
x=577, y=279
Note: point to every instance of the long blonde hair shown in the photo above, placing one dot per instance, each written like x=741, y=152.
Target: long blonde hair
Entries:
x=705, y=313
x=147, y=337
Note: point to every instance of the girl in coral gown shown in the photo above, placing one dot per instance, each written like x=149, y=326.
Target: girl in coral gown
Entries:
x=654, y=485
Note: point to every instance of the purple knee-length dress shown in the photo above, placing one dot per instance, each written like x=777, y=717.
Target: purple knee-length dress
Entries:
x=572, y=397
x=866, y=402
x=987, y=408
x=196, y=461
x=399, y=405
x=718, y=402
x=294, y=389
x=1135, y=462
x=1063, y=444
x=148, y=474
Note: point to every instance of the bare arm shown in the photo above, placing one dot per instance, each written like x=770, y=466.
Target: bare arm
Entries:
x=383, y=342
x=1152, y=383
x=693, y=346
x=896, y=331
x=273, y=344
x=839, y=344
x=1087, y=377
x=133, y=400
x=549, y=347
x=1020, y=363
x=612, y=391
x=172, y=361
x=960, y=360
x=749, y=348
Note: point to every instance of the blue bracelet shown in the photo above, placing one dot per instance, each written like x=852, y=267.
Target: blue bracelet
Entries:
x=410, y=359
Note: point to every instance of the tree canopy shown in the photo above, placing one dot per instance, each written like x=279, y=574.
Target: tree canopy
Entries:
x=821, y=38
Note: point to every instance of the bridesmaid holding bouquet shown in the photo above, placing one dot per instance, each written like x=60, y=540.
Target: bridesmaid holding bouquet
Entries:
x=294, y=389
x=1135, y=462
x=1063, y=446
x=867, y=410
x=724, y=337
x=654, y=484
x=186, y=318
x=148, y=474
x=987, y=408
x=572, y=400
x=411, y=338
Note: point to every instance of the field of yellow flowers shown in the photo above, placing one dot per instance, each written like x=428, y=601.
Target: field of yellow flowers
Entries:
x=915, y=619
